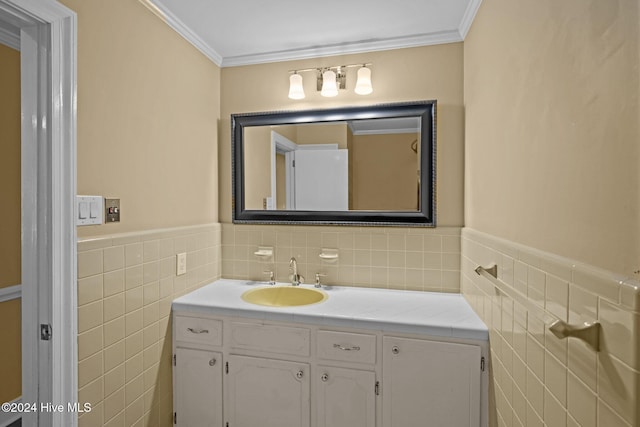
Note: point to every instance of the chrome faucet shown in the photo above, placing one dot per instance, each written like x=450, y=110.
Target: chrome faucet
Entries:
x=296, y=279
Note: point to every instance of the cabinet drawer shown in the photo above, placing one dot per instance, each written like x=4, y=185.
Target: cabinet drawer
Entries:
x=198, y=331
x=346, y=347
x=270, y=338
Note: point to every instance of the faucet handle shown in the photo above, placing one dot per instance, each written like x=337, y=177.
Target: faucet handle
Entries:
x=318, y=276
x=272, y=279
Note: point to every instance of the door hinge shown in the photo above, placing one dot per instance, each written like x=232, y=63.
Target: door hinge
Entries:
x=482, y=364
x=293, y=163
x=377, y=388
x=45, y=332
x=175, y=418
x=226, y=425
x=226, y=368
x=174, y=360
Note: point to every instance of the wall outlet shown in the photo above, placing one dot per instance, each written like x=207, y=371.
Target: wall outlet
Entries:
x=181, y=264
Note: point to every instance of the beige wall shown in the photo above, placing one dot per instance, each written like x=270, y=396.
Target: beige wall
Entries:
x=148, y=107
x=552, y=141
x=257, y=166
x=433, y=72
x=148, y=111
x=10, y=222
x=322, y=134
x=384, y=172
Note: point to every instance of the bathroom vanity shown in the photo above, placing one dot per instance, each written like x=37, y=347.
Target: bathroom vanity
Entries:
x=359, y=358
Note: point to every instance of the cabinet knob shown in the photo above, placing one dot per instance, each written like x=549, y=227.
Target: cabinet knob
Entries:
x=212, y=362
x=395, y=349
x=299, y=374
x=325, y=377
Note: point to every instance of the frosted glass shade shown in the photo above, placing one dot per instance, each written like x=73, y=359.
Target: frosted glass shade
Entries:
x=363, y=84
x=329, y=84
x=296, y=90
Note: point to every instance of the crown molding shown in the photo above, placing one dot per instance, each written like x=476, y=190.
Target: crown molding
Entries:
x=427, y=39
x=179, y=27
x=442, y=37
x=468, y=17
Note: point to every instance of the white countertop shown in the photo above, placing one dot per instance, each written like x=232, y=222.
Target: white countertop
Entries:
x=429, y=313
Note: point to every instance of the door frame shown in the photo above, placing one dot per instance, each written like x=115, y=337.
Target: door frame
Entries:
x=48, y=45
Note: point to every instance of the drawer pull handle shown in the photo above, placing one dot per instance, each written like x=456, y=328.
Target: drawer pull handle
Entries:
x=325, y=377
x=343, y=348
x=299, y=374
x=395, y=349
x=212, y=362
x=198, y=331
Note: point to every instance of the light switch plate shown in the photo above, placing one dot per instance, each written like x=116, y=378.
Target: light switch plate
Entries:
x=181, y=263
x=89, y=210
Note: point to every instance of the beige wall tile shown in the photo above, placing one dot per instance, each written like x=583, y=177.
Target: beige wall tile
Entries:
x=133, y=254
x=91, y=393
x=555, y=414
x=113, y=331
x=113, y=258
x=114, y=380
x=90, y=289
x=555, y=378
x=93, y=418
x=581, y=402
x=89, y=263
x=89, y=369
x=114, y=356
x=114, y=404
x=113, y=307
x=150, y=251
x=89, y=316
x=618, y=386
x=133, y=277
x=113, y=282
x=620, y=331
x=89, y=342
x=575, y=378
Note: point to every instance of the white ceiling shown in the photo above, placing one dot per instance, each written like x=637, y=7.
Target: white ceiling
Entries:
x=242, y=32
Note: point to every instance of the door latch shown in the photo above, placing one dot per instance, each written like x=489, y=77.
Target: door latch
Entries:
x=45, y=332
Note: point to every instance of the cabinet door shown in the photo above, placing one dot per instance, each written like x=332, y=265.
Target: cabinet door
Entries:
x=267, y=393
x=198, y=388
x=345, y=398
x=430, y=383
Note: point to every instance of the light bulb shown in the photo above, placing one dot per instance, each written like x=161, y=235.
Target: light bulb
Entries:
x=363, y=84
x=329, y=84
x=296, y=91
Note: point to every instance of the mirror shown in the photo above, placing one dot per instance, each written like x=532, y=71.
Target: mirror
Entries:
x=370, y=165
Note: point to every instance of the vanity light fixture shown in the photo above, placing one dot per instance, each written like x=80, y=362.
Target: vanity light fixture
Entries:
x=330, y=80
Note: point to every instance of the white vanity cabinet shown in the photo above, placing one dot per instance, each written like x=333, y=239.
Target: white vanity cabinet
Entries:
x=345, y=397
x=430, y=383
x=409, y=359
x=267, y=392
x=197, y=372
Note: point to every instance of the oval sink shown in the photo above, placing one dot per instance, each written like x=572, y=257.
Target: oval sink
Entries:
x=284, y=296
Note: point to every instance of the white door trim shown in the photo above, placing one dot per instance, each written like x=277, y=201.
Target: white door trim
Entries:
x=49, y=277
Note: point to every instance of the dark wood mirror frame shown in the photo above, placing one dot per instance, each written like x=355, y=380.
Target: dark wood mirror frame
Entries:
x=423, y=217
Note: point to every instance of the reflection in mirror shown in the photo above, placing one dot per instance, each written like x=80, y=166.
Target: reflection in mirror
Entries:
x=366, y=164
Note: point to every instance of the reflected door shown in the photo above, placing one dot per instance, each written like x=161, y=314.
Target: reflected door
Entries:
x=321, y=180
